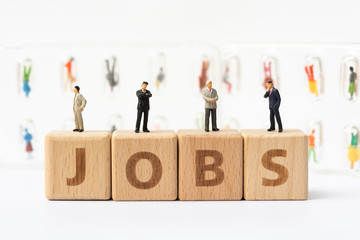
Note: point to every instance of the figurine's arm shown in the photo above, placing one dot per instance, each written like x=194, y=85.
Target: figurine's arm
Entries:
x=278, y=99
x=148, y=94
x=107, y=65
x=205, y=97
x=113, y=67
x=217, y=97
x=140, y=94
x=83, y=100
x=267, y=94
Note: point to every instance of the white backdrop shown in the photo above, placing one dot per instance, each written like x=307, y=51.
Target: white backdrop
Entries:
x=136, y=31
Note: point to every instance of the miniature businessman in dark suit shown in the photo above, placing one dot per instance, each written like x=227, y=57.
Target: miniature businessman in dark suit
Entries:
x=274, y=104
x=210, y=96
x=143, y=107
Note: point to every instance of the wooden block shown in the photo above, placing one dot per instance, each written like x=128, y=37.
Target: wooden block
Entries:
x=275, y=165
x=77, y=165
x=144, y=165
x=210, y=165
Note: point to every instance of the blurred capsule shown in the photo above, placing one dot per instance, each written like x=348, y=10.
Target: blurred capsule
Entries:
x=269, y=71
x=348, y=77
x=314, y=76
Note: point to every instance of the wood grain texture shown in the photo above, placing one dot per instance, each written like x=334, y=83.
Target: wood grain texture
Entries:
x=275, y=165
x=210, y=165
x=144, y=165
x=64, y=160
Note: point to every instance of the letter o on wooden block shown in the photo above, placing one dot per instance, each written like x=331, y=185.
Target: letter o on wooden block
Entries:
x=210, y=165
x=131, y=170
x=275, y=165
x=77, y=165
x=144, y=165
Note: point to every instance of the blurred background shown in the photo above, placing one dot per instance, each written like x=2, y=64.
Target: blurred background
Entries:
x=109, y=48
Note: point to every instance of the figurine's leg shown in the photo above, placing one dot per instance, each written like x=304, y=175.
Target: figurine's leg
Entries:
x=146, y=114
x=278, y=119
x=314, y=153
x=138, y=120
x=81, y=124
x=272, y=120
x=207, y=115
x=76, y=121
x=213, y=119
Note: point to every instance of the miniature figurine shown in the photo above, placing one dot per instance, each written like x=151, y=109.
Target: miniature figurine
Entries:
x=203, y=77
x=143, y=106
x=160, y=77
x=110, y=75
x=26, y=78
x=267, y=74
x=311, y=138
x=28, y=137
x=274, y=104
x=353, y=150
x=312, y=82
x=352, y=86
x=210, y=96
x=78, y=107
x=226, y=79
x=70, y=79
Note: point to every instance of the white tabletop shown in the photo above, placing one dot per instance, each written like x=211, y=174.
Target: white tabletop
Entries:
x=332, y=212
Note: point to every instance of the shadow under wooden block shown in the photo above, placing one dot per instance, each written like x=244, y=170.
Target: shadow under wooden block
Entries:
x=144, y=165
x=275, y=165
x=210, y=165
x=77, y=165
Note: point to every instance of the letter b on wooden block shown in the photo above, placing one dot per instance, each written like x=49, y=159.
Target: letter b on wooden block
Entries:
x=275, y=165
x=77, y=165
x=144, y=165
x=210, y=165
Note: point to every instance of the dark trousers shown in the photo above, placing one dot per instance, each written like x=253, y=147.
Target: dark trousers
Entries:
x=213, y=118
x=278, y=119
x=138, y=119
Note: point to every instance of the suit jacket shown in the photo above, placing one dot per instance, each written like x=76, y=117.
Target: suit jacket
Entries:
x=274, y=98
x=207, y=95
x=79, y=101
x=143, y=97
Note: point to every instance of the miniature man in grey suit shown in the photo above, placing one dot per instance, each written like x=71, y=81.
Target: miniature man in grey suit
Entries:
x=78, y=107
x=210, y=96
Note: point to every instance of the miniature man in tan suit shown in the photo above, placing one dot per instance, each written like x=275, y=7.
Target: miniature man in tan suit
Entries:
x=78, y=107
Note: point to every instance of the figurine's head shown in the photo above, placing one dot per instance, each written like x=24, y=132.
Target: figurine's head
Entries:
x=269, y=84
x=71, y=59
x=351, y=69
x=76, y=89
x=209, y=84
x=144, y=85
x=312, y=132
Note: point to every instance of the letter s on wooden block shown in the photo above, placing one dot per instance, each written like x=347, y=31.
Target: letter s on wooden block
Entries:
x=281, y=170
x=201, y=168
x=275, y=164
x=131, y=170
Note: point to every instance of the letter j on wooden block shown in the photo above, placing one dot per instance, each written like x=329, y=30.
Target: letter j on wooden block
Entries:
x=275, y=165
x=210, y=165
x=77, y=165
x=144, y=165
